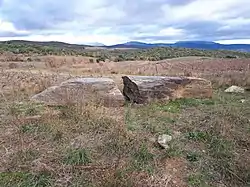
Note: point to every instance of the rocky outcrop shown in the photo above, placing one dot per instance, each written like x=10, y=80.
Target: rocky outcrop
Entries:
x=102, y=91
x=143, y=89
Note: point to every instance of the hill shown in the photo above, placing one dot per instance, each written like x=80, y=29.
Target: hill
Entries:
x=136, y=45
x=42, y=48
x=122, y=52
x=49, y=44
x=186, y=44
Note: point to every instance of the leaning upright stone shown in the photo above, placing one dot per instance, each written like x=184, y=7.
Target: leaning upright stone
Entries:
x=143, y=89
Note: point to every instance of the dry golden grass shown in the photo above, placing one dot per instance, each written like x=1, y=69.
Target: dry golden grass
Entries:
x=226, y=79
x=92, y=145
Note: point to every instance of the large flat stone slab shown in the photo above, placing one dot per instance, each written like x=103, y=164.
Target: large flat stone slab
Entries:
x=102, y=91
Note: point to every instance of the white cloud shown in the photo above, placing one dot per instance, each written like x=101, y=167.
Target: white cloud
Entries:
x=236, y=22
x=110, y=21
x=236, y=41
x=202, y=10
x=9, y=27
x=108, y=39
x=171, y=32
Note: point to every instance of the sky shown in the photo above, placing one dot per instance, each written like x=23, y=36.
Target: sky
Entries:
x=118, y=21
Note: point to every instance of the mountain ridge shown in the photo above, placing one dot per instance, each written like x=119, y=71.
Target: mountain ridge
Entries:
x=204, y=45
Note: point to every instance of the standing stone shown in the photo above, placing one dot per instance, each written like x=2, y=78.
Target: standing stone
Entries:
x=102, y=91
x=143, y=89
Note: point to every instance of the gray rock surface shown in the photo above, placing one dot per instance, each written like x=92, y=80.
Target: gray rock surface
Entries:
x=102, y=91
x=164, y=139
x=144, y=89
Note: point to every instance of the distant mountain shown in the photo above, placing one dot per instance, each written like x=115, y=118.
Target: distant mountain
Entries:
x=186, y=44
x=205, y=45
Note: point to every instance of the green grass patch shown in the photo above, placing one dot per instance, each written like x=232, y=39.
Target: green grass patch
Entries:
x=142, y=159
x=197, y=180
x=220, y=148
x=150, y=125
x=41, y=131
x=174, y=150
x=23, y=179
x=197, y=136
x=166, y=119
x=131, y=120
x=178, y=104
x=29, y=128
x=193, y=156
x=146, y=119
x=77, y=157
x=26, y=109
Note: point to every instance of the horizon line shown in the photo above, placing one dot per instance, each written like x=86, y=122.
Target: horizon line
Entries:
x=131, y=41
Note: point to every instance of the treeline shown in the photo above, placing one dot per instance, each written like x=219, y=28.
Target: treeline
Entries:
x=117, y=55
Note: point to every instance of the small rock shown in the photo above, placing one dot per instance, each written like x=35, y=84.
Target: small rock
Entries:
x=164, y=139
x=243, y=100
x=235, y=89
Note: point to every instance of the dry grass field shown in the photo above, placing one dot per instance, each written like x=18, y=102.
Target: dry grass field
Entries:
x=90, y=145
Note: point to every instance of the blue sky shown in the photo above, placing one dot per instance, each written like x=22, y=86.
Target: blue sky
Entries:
x=113, y=21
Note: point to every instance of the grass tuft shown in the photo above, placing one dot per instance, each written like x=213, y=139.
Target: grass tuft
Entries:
x=142, y=159
x=24, y=179
x=197, y=136
x=77, y=157
x=193, y=157
x=197, y=180
x=25, y=109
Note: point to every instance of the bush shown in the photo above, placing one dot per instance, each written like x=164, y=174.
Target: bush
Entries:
x=101, y=59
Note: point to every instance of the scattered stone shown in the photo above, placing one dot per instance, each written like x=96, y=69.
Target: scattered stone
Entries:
x=163, y=140
x=235, y=89
x=102, y=91
x=243, y=100
x=143, y=89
